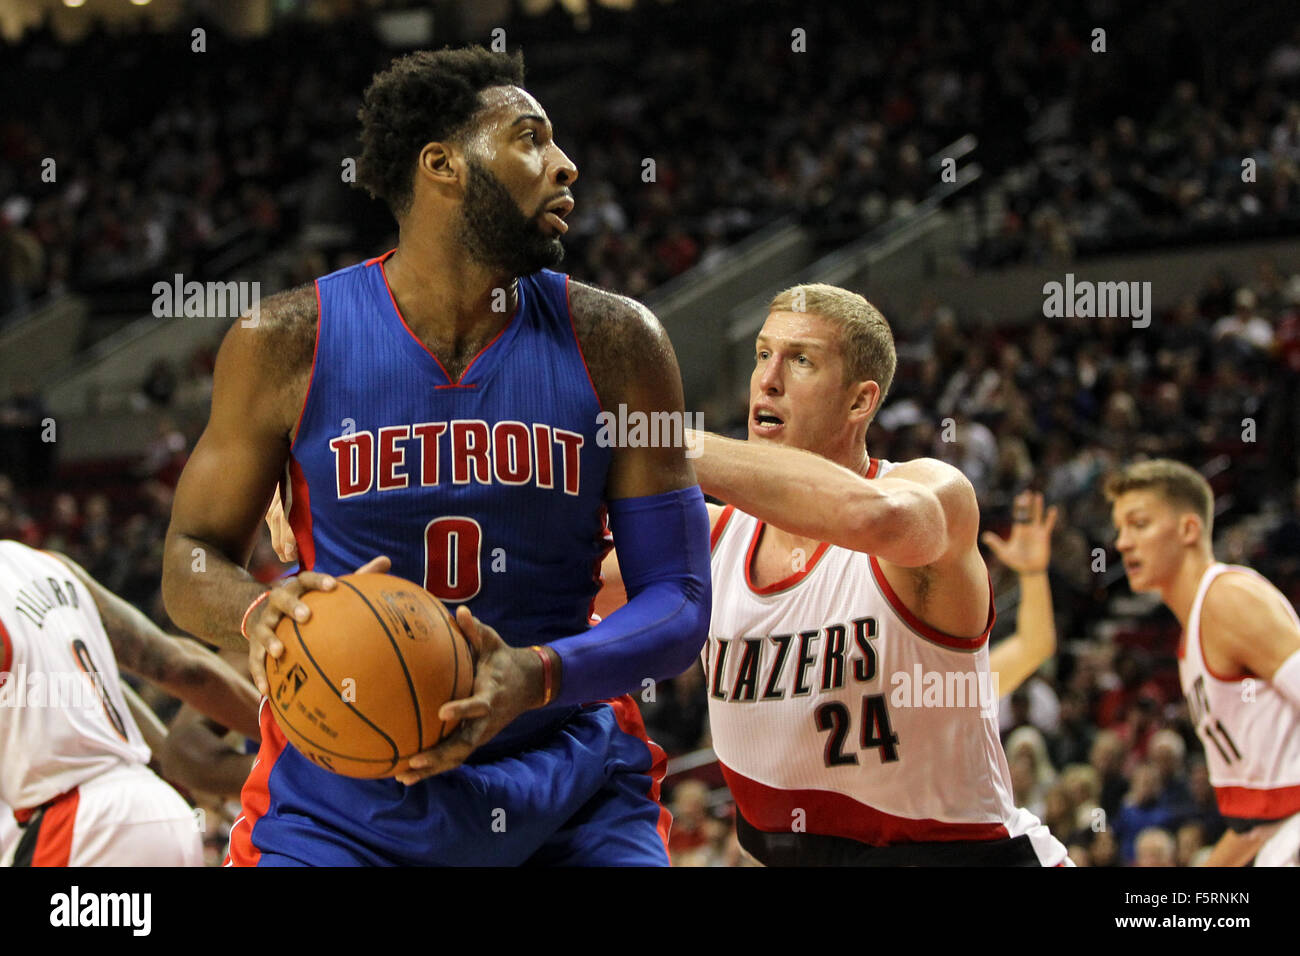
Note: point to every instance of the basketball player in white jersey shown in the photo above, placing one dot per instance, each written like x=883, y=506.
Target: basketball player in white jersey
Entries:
x=850, y=696
x=72, y=758
x=1238, y=661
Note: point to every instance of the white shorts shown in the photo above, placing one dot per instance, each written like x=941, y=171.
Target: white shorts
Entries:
x=1283, y=847
x=127, y=816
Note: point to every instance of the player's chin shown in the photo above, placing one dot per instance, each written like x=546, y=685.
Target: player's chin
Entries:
x=1138, y=583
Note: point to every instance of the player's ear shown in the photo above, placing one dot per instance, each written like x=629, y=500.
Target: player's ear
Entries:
x=440, y=162
x=865, y=400
x=1189, y=529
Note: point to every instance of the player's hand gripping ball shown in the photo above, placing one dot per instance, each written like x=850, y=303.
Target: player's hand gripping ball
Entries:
x=359, y=685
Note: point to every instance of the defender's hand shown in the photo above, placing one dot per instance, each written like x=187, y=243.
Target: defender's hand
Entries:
x=1029, y=548
x=507, y=682
x=283, y=601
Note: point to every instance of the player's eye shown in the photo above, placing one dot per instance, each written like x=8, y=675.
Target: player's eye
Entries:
x=803, y=359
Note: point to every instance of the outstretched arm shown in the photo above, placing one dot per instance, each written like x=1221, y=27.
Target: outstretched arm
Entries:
x=921, y=512
x=180, y=666
x=1027, y=552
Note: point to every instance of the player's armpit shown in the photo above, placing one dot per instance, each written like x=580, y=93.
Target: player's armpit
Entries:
x=1244, y=628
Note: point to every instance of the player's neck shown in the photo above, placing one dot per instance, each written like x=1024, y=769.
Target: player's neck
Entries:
x=1180, y=593
x=441, y=289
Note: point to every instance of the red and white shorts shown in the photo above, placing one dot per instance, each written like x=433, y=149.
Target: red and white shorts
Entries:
x=127, y=816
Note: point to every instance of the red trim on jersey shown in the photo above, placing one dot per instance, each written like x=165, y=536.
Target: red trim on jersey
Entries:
x=718, y=528
x=54, y=842
x=300, y=516
x=6, y=651
x=479, y=354
x=629, y=721
x=1200, y=631
x=370, y=262
x=255, y=797
x=1248, y=803
x=873, y=467
x=401, y=318
x=786, y=582
x=925, y=630
x=834, y=814
x=582, y=355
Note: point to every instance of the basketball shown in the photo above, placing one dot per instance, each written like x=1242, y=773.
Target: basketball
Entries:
x=358, y=687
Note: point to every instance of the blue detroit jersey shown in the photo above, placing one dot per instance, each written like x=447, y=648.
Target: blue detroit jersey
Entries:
x=488, y=490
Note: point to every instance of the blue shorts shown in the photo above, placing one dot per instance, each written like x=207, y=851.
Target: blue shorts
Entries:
x=587, y=795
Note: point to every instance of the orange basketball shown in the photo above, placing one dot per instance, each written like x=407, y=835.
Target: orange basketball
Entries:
x=358, y=686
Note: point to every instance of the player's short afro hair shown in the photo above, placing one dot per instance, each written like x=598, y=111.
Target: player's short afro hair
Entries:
x=423, y=97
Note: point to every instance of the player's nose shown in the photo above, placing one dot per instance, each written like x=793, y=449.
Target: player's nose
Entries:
x=769, y=377
x=564, y=171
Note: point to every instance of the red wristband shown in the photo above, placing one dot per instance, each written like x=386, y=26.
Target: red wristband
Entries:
x=243, y=625
x=546, y=674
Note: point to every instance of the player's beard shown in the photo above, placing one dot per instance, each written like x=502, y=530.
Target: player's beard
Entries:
x=497, y=234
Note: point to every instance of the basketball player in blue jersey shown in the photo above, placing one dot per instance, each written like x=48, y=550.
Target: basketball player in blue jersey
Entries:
x=437, y=407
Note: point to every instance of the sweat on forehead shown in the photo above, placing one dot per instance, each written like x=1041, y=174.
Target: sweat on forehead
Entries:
x=507, y=103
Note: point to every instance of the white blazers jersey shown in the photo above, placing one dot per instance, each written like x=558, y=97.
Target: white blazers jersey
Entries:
x=843, y=723
x=63, y=719
x=1251, y=733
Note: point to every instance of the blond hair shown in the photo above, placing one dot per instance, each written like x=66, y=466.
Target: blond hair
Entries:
x=866, y=342
x=1176, y=483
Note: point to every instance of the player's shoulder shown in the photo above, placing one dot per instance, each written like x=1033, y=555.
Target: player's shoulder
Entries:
x=1233, y=593
x=617, y=334
x=933, y=473
x=291, y=314
x=282, y=330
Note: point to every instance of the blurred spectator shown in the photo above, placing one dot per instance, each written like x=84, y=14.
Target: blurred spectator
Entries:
x=1142, y=809
x=1154, y=847
x=689, y=806
x=1244, y=325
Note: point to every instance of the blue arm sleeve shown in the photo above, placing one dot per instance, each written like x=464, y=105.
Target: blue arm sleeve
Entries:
x=663, y=553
